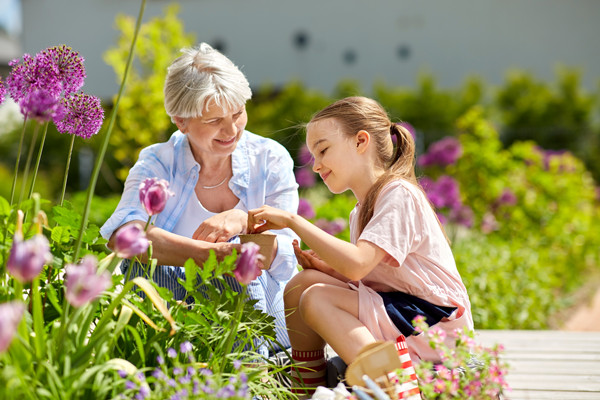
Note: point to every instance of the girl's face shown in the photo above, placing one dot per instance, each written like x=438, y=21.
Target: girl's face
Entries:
x=334, y=154
x=216, y=132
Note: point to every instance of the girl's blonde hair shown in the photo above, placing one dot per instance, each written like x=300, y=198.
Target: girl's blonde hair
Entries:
x=360, y=113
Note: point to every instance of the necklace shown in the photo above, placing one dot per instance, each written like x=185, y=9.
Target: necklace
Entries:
x=217, y=185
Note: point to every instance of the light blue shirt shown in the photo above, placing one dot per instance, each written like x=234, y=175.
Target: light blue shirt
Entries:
x=262, y=174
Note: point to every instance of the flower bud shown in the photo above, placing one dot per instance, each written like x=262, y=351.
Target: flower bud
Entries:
x=154, y=194
x=246, y=266
x=10, y=316
x=83, y=284
x=27, y=258
x=130, y=241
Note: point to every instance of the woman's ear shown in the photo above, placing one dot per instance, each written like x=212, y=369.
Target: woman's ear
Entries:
x=181, y=123
x=362, y=140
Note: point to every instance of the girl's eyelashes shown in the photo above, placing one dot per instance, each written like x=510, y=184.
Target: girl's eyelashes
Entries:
x=323, y=151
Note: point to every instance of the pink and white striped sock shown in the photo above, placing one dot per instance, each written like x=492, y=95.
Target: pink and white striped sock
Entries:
x=309, y=371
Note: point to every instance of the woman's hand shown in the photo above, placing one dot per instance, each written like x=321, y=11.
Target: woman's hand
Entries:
x=267, y=217
x=222, y=227
x=223, y=250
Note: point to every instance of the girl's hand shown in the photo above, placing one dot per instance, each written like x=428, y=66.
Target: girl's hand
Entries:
x=308, y=259
x=222, y=227
x=267, y=217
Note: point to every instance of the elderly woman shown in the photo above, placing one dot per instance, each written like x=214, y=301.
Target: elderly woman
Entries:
x=218, y=171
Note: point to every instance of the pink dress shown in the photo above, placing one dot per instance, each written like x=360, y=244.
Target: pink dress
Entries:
x=419, y=262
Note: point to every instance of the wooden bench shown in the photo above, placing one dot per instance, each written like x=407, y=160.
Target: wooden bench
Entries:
x=549, y=364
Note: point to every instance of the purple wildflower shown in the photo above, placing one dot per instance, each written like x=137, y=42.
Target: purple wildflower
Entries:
x=246, y=266
x=123, y=374
x=10, y=317
x=160, y=360
x=27, y=258
x=41, y=105
x=443, y=152
x=489, y=223
x=171, y=352
x=237, y=364
x=83, y=115
x=305, y=209
x=68, y=65
x=185, y=347
x=158, y=374
x=305, y=178
x=130, y=240
x=177, y=371
x=83, y=284
x=130, y=385
x=154, y=194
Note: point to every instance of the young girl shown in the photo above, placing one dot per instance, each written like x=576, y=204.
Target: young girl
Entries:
x=399, y=263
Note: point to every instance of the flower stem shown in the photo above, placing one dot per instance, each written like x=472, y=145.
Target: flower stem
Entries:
x=111, y=123
x=39, y=157
x=28, y=164
x=233, y=329
x=14, y=184
x=64, y=187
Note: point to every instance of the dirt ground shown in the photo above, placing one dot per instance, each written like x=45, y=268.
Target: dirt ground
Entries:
x=586, y=316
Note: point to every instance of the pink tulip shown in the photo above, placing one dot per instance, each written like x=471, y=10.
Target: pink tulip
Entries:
x=130, y=241
x=246, y=266
x=10, y=316
x=83, y=282
x=154, y=194
x=27, y=258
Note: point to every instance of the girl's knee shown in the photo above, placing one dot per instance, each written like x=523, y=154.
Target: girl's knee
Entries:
x=314, y=300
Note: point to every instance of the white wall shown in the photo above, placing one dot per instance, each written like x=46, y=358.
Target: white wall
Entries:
x=452, y=39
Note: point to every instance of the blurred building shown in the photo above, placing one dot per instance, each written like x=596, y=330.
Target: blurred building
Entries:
x=320, y=42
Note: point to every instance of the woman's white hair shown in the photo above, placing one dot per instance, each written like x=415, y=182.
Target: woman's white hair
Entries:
x=202, y=74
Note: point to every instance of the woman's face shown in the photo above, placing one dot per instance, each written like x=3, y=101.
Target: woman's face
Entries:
x=216, y=132
x=333, y=153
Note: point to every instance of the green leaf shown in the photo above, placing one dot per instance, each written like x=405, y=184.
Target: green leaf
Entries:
x=61, y=234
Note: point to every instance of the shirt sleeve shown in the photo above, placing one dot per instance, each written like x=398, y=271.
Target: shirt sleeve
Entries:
x=395, y=223
x=282, y=193
x=130, y=207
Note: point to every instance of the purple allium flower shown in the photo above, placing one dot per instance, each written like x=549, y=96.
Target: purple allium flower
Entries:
x=27, y=258
x=304, y=156
x=171, y=352
x=185, y=347
x=41, y=105
x=130, y=240
x=31, y=74
x=443, y=152
x=332, y=227
x=83, y=284
x=447, y=187
x=246, y=266
x=10, y=317
x=462, y=215
x=305, y=177
x=305, y=209
x=154, y=194
x=507, y=198
x=68, y=64
x=82, y=117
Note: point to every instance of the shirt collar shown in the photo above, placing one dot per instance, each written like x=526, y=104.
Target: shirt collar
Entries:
x=240, y=164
